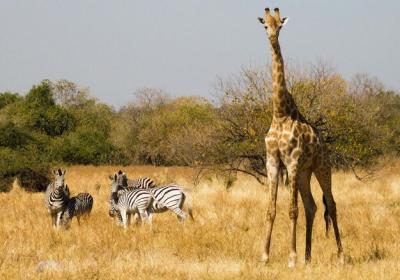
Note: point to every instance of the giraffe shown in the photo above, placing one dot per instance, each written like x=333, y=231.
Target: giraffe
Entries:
x=292, y=142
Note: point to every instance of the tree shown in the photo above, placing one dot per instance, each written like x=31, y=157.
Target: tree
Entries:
x=7, y=98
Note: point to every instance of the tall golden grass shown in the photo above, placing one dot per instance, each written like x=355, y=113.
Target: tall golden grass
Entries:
x=224, y=242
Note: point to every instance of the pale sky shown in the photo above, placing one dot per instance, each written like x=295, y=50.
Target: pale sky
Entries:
x=116, y=47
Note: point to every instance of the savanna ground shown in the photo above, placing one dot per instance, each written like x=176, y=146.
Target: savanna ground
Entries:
x=224, y=242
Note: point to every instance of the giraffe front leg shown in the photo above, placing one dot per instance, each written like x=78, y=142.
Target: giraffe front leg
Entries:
x=273, y=170
x=293, y=213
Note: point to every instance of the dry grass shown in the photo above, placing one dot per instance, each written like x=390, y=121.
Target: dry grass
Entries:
x=224, y=242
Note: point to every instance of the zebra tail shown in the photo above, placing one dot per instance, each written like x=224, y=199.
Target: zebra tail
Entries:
x=189, y=201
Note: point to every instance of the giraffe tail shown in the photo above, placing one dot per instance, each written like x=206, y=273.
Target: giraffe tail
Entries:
x=326, y=216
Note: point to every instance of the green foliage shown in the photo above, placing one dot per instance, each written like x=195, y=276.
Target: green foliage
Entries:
x=83, y=146
x=38, y=111
x=13, y=137
x=7, y=98
x=37, y=132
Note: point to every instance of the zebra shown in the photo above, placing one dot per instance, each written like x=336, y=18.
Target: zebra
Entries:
x=128, y=202
x=77, y=206
x=56, y=197
x=170, y=197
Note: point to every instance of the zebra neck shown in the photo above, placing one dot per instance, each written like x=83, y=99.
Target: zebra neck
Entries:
x=114, y=197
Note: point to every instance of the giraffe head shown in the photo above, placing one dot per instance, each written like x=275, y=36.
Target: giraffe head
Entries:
x=273, y=23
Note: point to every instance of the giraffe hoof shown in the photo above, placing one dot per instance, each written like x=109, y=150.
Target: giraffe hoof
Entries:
x=292, y=261
x=264, y=258
x=341, y=258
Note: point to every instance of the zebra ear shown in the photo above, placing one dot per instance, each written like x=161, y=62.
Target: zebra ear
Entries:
x=120, y=172
x=59, y=172
x=115, y=177
x=111, y=177
x=65, y=171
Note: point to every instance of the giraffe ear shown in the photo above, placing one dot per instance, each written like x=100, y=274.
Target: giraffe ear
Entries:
x=261, y=20
x=284, y=21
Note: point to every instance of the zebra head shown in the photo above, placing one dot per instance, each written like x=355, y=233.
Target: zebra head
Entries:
x=113, y=196
x=59, y=181
x=122, y=179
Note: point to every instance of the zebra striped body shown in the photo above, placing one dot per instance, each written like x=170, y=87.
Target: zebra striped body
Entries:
x=141, y=183
x=170, y=197
x=130, y=202
x=56, y=197
x=77, y=206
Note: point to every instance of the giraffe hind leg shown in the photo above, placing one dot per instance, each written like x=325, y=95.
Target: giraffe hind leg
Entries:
x=326, y=217
x=323, y=174
x=309, y=208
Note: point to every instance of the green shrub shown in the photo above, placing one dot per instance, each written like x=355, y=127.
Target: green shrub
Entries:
x=34, y=180
x=6, y=183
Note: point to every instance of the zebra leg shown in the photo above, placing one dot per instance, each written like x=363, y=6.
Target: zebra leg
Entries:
x=144, y=216
x=179, y=213
x=137, y=218
x=58, y=219
x=53, y=220
x=129, y=219
x=67, y=223
x=120, y=222
x=124, y=218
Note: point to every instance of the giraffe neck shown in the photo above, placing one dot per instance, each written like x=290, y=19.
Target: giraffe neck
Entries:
x=281, y=98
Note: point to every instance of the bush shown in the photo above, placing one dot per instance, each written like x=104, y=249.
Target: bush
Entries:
x=37, y=111
x=7, y=98
x=6, y=183
x=12, y=136
x=84, y=146
x=34, y=181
